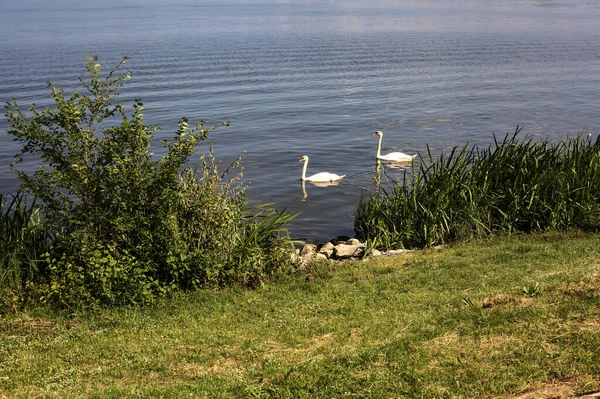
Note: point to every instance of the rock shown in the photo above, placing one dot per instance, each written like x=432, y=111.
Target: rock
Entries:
x=343, y=251
x=307, y=252
x=321, y=256
x=393, y=252
x=327, y=249
x=295, y=257
x=308, y=248
x=375, y=252
x=353, y=241
x=326, y=246
x=339, y=240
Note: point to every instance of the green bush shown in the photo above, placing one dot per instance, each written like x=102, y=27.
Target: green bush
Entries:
x=129, y=227
x=512, y=186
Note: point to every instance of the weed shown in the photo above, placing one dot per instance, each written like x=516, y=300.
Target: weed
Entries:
x=533, y=290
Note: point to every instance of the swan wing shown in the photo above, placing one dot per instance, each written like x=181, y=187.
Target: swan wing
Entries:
x=398, y=157
x=324, y=177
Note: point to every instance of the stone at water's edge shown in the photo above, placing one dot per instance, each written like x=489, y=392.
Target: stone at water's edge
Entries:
x=375, y=252
x=307, y=252
x=339, y=240
x=343, y=251
x=308, y=249
x=321, y=256
x=395, y=251
x=340, y=250
x=327, y=250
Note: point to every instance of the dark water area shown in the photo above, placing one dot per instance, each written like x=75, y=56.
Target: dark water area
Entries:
x=301, y=78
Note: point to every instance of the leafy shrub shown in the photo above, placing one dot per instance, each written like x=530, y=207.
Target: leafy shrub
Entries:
x=512, y=186
x=129, y=227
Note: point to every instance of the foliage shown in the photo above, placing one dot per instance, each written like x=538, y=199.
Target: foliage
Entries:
x=512, y=186
x=24, y=242
x=129, y=227
x=532, y=290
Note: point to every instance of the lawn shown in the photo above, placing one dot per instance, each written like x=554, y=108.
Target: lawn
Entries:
x=508, y=317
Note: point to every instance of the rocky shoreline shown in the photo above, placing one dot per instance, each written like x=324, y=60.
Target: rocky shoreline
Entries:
x=341, y=248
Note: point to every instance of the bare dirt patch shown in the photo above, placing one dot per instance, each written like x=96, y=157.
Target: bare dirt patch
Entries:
x=300, y=354
x=503, y=300
x=25, y=326
x=589, y=287
x=224, y=367
x=560, y=390
x=490, y=344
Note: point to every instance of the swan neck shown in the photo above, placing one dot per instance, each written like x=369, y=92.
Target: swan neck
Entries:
x=379, y=146
x=304, y=170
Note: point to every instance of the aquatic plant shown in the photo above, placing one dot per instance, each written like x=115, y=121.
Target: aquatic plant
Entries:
x=514, y=185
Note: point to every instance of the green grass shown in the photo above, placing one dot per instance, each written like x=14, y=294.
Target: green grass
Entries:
x=493, y=318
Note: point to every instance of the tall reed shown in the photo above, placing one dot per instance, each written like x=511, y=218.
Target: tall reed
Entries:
x=24, y=241
x=514, y=185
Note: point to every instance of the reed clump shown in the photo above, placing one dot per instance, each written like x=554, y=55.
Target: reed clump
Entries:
x=24, y=242
x=514, y=185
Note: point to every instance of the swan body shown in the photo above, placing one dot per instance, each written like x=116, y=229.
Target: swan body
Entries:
x=319, y=177
x=392, y=156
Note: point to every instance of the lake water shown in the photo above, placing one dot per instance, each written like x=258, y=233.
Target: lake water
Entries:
x=318, y=78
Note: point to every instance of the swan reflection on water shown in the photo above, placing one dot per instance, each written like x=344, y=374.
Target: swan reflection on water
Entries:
x=318, y=184
x=388, y=164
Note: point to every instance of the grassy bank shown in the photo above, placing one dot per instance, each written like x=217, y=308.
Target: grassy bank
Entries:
x=502, y=318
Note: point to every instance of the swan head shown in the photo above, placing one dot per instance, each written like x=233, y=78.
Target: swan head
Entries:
x=378, y=133
x=304, y=158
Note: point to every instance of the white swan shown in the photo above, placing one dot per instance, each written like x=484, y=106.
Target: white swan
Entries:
x=319, y=177
x=392, y=156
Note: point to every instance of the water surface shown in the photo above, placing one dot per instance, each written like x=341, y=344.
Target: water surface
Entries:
x=304, y=78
